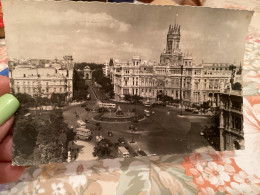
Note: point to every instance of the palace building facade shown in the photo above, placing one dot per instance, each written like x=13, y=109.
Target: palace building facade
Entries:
x=42, y=77
x=176, y=75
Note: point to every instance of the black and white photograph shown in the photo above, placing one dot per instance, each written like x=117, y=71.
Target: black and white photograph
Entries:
x=105, y=80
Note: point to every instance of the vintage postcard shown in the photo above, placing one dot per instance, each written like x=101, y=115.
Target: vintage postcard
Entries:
x=100, y=80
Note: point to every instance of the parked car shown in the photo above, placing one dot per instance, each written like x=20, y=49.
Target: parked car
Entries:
x=81, y=123
x=188, y=109
x=83, y=105
x=99, y=138
x=141, y=153
x=147, y=104
x=121, y=140
x=87, y=109
x=195, y=112
x=109, y=134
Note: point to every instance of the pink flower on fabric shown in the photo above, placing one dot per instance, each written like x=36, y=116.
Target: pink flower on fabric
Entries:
x=243, y=177
x=215, y=174
x=197, y=173
x=239, y=189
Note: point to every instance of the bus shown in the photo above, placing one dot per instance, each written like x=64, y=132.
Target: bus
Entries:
x=83, y=134
x=106, y=105
x=123, y=152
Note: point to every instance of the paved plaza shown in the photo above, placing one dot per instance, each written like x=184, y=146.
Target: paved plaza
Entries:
x=164, y=132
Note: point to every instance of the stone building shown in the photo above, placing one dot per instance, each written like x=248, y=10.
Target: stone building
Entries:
x=231, y=120
x=42, y=77
x=86, y=72
x=176, y=75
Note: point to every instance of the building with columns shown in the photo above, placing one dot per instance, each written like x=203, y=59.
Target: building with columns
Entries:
x=42, y=77
x=231, y=120
x=231, y=116
x=176, y=75
x=86, y=73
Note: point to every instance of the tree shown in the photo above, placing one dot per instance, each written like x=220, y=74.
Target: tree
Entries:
x=237, y=86
x=25, y=98
x=205, y=106
x=196, y=106
x=177, y=101
x=57, y=98
x=127, y=97
x=53, y=138
x=136, y=98
x=80, y=88
x=167, y=98
x=103, y=149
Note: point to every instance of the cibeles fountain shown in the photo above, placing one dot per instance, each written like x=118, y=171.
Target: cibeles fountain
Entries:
x=118, y=115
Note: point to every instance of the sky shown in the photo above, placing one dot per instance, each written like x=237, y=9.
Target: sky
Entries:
x=96, y=32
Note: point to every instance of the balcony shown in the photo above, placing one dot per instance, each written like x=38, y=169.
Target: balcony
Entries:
x=234, y=131
x=236, y=110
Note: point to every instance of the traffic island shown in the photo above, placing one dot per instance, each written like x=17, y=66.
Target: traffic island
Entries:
x=113, y=117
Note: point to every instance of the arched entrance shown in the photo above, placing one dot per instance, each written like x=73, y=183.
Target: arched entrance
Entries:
x=87, y=76
x=159, y=95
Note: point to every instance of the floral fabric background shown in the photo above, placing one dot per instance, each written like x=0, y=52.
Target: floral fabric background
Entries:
x=236, y=172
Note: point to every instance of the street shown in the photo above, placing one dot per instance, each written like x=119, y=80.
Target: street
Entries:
x=164, y=132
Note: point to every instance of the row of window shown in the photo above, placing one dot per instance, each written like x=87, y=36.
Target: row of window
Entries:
x=151, y=92
x=46, y=83
x=47, y=90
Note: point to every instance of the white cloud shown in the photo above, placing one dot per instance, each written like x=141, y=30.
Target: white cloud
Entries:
x=69, y=18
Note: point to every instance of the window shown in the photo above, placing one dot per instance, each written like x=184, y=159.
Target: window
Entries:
x=60, y=89
x=54, y=89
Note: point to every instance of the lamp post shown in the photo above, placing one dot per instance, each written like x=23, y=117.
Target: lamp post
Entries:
x=181, y=88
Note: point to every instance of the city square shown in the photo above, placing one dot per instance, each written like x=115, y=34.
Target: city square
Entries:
x=133, y=96
x=164, y=132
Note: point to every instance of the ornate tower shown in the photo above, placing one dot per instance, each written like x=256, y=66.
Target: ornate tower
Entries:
x=173, y=39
